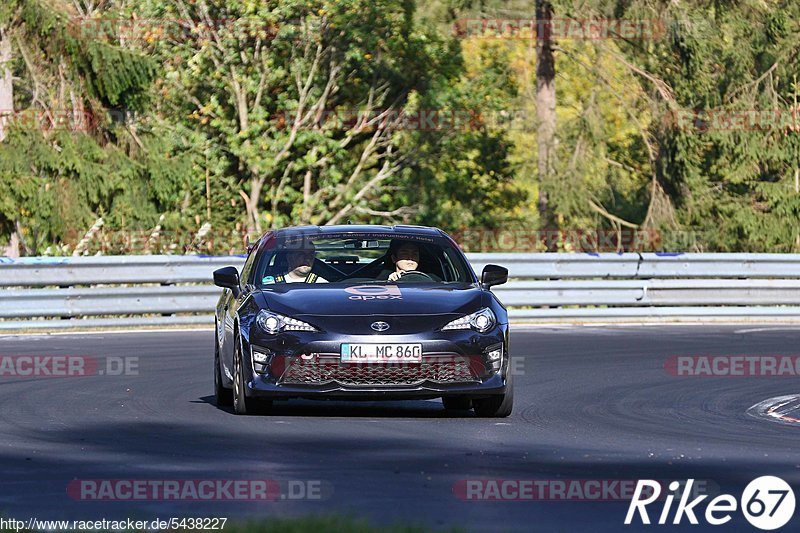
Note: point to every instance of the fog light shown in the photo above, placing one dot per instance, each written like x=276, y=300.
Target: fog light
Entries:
x=494, y=356
x=261, y=360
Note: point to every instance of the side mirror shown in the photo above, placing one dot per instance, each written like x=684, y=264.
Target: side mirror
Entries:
x=493, y=275
x=227, y=278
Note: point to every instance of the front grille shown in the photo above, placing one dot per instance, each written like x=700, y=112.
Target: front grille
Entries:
x=304, y=372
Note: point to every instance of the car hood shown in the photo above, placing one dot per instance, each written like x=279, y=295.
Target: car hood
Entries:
x=375, y=300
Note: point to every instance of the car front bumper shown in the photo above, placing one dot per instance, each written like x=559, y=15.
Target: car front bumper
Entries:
x=454, y=363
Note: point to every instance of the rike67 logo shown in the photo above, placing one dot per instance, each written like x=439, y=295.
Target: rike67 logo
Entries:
x=767, y=503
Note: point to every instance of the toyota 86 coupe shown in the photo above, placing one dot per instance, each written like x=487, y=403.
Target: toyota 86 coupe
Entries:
x=361, y=313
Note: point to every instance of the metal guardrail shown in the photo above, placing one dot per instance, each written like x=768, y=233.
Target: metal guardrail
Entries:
x=644, y=266
x=134, y=291
x=71, y=271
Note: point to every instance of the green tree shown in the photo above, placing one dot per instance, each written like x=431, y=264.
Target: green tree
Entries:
x=736, y=185
x=268, y=89
x=65, y=162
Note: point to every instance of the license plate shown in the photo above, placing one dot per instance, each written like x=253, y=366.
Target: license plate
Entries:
x=381, y=353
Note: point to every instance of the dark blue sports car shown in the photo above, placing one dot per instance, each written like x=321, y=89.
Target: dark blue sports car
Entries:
x=361, y=312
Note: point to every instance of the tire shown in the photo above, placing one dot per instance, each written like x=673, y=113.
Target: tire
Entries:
x=222, y=397
x=242, y=405
x=457, y=403
x=498, y=406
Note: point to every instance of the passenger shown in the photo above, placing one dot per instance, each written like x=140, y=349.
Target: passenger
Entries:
x=299, y=262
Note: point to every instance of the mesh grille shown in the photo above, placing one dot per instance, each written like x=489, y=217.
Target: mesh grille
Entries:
x=305, y=372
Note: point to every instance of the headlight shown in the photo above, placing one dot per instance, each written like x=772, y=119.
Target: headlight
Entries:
x=272, y=323
x=481, y=321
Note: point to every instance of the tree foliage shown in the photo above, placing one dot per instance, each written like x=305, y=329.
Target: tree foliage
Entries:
x=201, y=118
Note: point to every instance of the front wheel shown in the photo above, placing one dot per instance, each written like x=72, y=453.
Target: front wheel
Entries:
x=242, y=405
x=223, y=397
x=498, y=406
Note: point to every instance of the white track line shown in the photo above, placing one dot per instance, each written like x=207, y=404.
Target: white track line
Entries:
x=756, y=330
x=772, y=410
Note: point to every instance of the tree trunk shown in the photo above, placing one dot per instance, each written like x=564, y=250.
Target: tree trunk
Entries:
x=6, y=111
x=545, y=107
x=12, y=250
x=6, y=87
x=256, y=186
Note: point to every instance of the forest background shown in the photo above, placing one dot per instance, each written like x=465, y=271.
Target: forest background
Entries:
x=181, y=126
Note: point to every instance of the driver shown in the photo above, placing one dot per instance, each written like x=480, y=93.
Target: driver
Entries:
x=405, y=258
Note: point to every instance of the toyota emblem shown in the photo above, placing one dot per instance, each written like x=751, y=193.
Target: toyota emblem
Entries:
x=379, y=326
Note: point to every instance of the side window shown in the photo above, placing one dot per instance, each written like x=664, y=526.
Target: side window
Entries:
x=263, y=267
x=248, y=266
x=448, y=268
x=458, y=266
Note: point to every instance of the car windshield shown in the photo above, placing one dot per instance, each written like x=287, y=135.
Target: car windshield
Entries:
x=363, y=258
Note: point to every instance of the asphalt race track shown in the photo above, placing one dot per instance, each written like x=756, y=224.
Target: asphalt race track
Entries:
x=591, y=403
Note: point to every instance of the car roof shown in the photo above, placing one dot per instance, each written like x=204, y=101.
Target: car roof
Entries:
x=399, y=229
